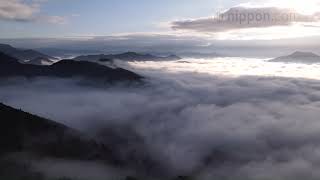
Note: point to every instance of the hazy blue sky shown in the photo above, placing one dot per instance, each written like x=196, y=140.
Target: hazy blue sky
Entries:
x=158, y=22
x=103, y=17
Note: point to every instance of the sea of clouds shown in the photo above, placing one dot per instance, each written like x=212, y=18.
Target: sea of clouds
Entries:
x=225, y=118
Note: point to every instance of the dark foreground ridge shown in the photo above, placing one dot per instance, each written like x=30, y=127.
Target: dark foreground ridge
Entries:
x=10, y=67
x=24, y=133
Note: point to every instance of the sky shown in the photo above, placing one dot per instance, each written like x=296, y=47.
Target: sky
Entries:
x=57, y=18
x=103, y=17
x=159, y=22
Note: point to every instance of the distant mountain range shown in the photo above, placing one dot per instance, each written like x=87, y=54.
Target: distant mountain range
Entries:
x=201, y=55
x=299, y=57
x=129, y=56
x=22, y=54
x=10, y=66
x=66, y=53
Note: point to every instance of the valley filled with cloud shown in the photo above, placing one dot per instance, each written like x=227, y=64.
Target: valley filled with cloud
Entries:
x=159, y=90
x=200, y=122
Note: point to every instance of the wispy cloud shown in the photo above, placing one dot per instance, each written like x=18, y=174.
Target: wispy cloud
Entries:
x=18, y=10
x=60, y=20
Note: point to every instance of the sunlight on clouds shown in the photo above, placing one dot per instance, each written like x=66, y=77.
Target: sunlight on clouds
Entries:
x=280, y=32
x=258, y=20
x=233, y=67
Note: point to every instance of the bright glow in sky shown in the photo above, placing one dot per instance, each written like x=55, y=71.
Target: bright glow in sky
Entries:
x=280, y=32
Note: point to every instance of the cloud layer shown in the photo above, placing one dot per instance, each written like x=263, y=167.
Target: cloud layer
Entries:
x=206, y=126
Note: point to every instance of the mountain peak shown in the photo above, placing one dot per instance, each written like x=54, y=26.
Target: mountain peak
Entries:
x=299, y=57
x=22, y=54
x=304, y=54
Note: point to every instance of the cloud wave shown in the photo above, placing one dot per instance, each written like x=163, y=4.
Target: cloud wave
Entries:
x=206, y=126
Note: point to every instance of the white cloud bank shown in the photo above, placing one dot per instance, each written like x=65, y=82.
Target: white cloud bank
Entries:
x=194, y=123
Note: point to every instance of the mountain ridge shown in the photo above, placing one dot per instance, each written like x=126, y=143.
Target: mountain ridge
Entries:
x=298, y=57
x=24, y=132
x=40, y=61
x=10, y=66
x=128, y=56
x=23, y=54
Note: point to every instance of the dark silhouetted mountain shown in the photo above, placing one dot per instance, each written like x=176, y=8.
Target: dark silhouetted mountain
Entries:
x=22, y=54
x=24, y=132
x=299, y=57
x=66, y=68
x=106, y=60
x=7, y=60
x=129, y=56
x=172, y=57
x=119, y=146
x=70, y=68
